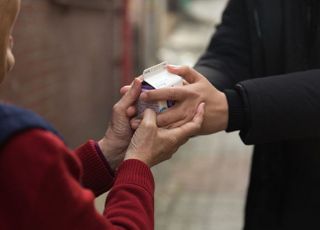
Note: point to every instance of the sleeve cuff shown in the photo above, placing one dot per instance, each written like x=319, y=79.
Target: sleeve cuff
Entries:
x=236, y=111
x=135, y=172
x=97, y=174
x=103, y=159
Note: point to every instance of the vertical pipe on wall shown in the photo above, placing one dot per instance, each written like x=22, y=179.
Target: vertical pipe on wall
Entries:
x=127, y=70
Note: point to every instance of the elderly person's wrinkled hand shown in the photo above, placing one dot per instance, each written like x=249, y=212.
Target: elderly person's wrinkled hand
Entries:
x=119, y=133
x=152, y=145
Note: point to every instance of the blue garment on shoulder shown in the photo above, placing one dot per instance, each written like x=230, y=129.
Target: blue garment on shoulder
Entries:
x=14, y=120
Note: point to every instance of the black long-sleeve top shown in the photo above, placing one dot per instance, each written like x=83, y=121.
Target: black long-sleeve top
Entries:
x=270, y=104
x=265, y=57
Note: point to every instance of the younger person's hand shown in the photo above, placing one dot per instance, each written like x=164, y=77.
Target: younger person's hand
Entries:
x=152, y=145
x=187, y=98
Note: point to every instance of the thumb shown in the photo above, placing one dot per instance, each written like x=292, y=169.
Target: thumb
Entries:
x=126, y=88
x=132, y=94
x=149, y=118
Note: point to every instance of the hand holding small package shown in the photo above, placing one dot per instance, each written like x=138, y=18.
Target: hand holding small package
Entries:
x=157, y=77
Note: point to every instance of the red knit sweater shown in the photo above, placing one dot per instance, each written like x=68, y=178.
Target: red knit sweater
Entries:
x=40, y=187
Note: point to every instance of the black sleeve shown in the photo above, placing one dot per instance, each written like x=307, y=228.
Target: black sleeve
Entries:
x=283, y=107
x=236, y=111
x=227, y=59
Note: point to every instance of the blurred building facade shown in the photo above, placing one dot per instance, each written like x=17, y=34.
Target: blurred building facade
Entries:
x=72, y=56
x=151, y=22
x=176, y=31
x=68, y=63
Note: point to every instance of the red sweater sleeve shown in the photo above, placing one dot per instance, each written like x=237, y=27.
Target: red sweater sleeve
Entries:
x=40, y=188
x=97, y=174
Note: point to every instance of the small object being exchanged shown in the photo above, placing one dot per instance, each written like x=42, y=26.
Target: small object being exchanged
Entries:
x=157, y=77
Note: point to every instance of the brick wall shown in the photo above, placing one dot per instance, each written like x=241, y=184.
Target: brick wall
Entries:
x=66, y=66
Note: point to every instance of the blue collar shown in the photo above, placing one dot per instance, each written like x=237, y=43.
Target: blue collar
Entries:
x=14, y=120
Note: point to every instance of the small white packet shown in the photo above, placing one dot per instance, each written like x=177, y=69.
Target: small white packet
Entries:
x=157, y=77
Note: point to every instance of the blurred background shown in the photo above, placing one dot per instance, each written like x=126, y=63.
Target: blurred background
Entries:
x=72, y=57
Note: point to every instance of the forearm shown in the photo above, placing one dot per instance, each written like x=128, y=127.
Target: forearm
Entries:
x=48, y=193
x=227, y=59
x=132, y=194
x=281, y=107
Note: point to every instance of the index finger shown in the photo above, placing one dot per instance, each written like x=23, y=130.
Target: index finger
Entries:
x=131, y=96
x=172, y=94
x=188, y=73
x=126, y=88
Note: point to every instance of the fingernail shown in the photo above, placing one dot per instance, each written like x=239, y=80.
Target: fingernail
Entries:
x=134, y=83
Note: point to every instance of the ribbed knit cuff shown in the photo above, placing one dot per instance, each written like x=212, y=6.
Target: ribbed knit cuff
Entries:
x=236, y=110
x=135, y=172
x=104, y=160
x=96, y=175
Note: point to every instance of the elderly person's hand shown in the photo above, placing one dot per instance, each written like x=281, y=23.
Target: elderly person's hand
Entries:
x=187, y=98
x=152, y=145
x=119, y=133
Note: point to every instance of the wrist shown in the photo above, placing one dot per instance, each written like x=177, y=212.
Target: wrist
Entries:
x=216, y=114
x=139, y=157
x=112, y=150
x=223, y=111
x=103, y=158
